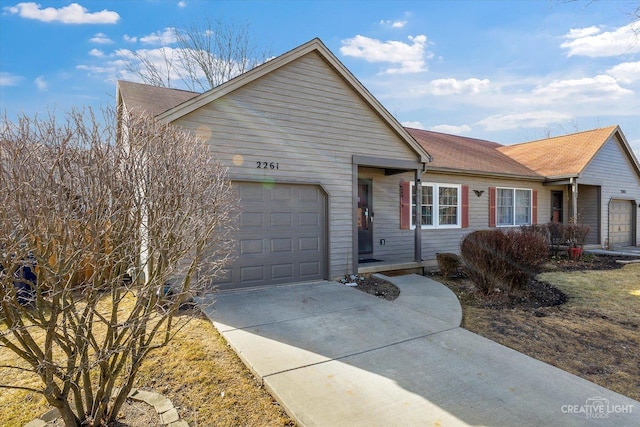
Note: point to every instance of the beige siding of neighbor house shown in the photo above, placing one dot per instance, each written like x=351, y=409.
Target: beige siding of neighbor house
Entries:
x=613, y=170
x=308, y=122
x=399, y=242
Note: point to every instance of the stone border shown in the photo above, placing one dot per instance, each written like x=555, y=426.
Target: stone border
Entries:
x=166, y=411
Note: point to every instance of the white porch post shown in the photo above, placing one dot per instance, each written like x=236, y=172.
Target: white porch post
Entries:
x=417, y=248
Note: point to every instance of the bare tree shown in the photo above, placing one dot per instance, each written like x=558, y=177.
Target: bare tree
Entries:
x=208, y=53
x=83, y=213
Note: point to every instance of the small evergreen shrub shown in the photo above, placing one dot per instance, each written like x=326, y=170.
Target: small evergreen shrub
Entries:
x=507, y=260
x=448, y=264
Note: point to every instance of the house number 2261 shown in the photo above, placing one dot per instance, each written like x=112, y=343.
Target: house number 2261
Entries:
x=267, y=165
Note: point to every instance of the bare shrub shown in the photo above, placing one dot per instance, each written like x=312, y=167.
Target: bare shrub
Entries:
x=448, y=263
x=526, y=253
x=105, y=219
x=576, y=234
x=481, y=252
x=507, y=260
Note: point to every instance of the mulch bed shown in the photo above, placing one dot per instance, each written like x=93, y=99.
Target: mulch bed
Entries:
x=536, y=294
x=375, y=286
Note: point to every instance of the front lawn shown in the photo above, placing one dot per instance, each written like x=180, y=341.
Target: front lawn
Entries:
x=595, y=334
x=202, y=376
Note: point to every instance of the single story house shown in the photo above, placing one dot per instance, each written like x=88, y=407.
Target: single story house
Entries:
x=327, y=176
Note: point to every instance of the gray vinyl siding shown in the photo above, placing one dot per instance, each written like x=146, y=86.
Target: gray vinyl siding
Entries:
x=399, y=243
x=306, y=119
x=588, y=211
x=613, y=171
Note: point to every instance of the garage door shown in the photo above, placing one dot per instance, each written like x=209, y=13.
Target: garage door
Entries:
x=281, y=236
x=621, y=223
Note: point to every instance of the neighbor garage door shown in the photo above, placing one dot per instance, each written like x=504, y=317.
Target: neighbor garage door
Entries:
x=621, y=223
x=281, y=236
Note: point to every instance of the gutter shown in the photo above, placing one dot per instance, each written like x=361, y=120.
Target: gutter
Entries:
x=488, y=174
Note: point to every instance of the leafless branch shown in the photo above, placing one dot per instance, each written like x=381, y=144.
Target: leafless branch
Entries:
x=102, y=241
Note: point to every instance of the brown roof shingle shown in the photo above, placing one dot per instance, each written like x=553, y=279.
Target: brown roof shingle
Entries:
x=152, y=99
x=562, y=155
x=452, y=152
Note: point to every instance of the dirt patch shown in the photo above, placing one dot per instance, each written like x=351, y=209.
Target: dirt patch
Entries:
x=131, y=414
x=374, y=286
x=581, y=316
x=588, y=262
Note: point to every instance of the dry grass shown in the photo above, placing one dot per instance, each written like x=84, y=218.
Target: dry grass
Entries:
x=595, y=334
x=202, y=376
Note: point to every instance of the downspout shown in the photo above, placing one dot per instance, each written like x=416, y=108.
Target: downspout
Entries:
x=574, y=200
x=417, y=244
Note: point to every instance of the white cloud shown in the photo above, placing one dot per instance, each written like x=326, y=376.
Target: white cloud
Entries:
x=168, y=36
x=393, y=24
x=588, y=89
x=454, y=86
x=626, y=73
x=407, y=58
x=578, y=33
x=8, y=79
x=593, y=43
x=452, y=129
x=70, y=14
x=130, y=39
x=41, y=83
x=533, y=119
x=413, y=124
x=101, y=38
x=182, y=4
x=96, y=52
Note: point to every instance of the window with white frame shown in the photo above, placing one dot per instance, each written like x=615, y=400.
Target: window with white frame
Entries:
x=513, y=206
x=439, y=206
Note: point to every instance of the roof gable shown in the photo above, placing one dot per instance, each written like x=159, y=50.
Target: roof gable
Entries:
x=561, y=156
x=152, y=100
x=315, y=45
x=458, y=153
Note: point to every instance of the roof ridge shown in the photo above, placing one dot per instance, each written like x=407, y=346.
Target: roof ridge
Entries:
x=564, y=136
x=156, y=86
x=454, y=135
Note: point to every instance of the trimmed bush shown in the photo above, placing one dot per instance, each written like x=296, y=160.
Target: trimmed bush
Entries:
x=507, y=260
x=480, y=251
x=527, y=252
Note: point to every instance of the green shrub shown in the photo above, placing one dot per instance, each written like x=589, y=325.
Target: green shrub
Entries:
x=507, y=260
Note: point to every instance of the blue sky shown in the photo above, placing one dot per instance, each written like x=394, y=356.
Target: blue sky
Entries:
x=507, y=71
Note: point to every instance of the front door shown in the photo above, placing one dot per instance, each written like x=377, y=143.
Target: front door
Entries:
x=365, y=218
x=556, y=207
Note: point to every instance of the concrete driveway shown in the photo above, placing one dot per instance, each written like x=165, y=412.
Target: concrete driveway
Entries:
x=335, y=356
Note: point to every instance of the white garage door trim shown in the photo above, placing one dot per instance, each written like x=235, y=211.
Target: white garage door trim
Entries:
x=282, y=235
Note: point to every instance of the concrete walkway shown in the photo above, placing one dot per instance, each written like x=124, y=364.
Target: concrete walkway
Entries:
x=335, y=356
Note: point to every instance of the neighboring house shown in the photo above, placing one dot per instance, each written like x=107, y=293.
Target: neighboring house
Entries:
x=594, y=177
x=325, y=173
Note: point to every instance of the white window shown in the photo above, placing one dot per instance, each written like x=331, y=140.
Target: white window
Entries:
x=440, y=206
x=513, y=206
